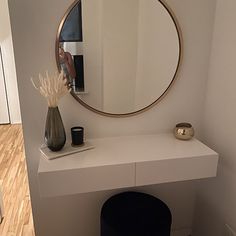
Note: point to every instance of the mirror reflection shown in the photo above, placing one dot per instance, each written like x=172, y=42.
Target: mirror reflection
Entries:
x=118, y=56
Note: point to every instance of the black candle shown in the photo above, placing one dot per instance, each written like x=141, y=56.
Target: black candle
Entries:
x=77, y=135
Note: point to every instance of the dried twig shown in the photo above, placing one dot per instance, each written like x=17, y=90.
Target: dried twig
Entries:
x=52, y=87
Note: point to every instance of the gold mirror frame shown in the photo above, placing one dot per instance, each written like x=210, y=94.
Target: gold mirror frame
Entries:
x=145, y=108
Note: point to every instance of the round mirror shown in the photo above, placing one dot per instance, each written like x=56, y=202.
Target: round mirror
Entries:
x=119, y=56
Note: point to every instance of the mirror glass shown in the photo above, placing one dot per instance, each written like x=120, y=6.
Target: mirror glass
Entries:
x=119, y=56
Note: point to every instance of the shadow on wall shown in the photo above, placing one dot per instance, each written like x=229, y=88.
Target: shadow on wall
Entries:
x=216, y=197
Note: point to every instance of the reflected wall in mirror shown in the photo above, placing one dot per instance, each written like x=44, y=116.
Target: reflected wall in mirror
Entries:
x=120, y=56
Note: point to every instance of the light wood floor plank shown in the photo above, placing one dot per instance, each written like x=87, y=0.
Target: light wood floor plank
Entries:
x=18, y=219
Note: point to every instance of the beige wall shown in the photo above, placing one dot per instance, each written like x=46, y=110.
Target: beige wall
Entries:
x=9, y=63
x=34, y=37
x=216, y=203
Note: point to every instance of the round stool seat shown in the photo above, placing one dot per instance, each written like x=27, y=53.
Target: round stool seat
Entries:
x=135, y=214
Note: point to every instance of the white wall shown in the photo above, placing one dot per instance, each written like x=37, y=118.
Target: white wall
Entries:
x=216, y=204
x=34, y=38
x=92, y=50
x=120, y=39
x=158, y=52
x=4, y=113
x=9, y=63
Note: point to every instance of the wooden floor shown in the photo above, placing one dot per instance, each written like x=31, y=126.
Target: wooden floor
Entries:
x=13, y=178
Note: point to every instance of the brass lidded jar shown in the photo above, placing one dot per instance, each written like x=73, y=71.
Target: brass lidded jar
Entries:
x=184, y=131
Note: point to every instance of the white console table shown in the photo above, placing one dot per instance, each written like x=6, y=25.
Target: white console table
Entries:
x=130, y=161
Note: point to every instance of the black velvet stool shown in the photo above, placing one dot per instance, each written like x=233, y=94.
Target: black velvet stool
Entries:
x=135, y=214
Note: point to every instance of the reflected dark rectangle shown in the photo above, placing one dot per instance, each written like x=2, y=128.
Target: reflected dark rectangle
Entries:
x=72, y=28
x=79, y=68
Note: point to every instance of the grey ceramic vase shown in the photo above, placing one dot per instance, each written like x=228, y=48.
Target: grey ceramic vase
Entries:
x=55, y=136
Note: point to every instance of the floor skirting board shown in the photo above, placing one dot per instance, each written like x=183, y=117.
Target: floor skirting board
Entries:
x=181, y=232
x=1, y=205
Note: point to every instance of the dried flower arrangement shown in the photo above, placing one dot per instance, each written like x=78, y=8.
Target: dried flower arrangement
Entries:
x=52, y=87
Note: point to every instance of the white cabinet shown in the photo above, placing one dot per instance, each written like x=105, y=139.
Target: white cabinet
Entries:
x=130, y=161
x=82, y=180
x=155, y=172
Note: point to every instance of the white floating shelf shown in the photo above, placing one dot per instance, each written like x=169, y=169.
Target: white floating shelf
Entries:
x=127, y=161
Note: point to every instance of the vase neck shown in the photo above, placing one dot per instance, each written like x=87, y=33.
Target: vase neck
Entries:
x=53, y=108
